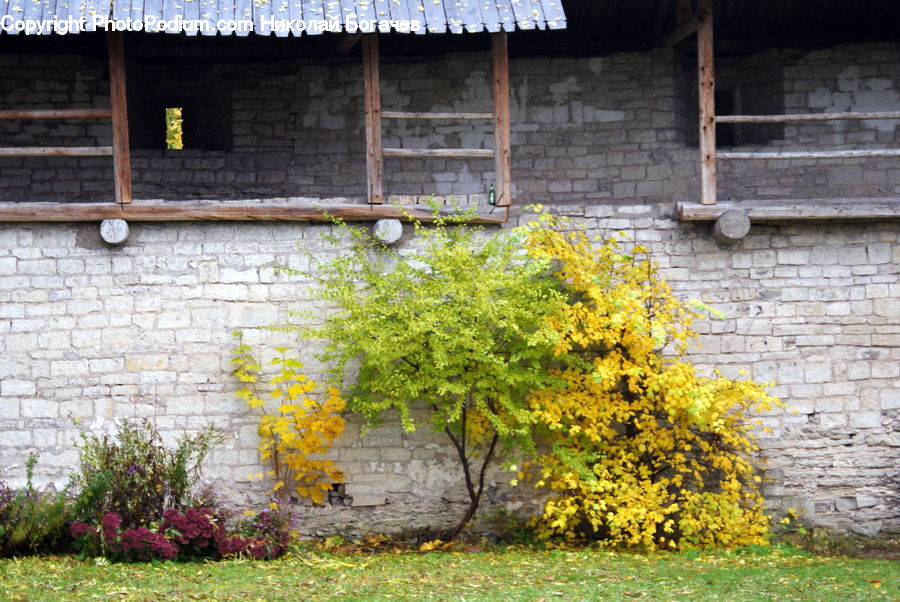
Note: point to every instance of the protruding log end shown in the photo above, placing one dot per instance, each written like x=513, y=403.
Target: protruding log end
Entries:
x=387, y=231
x=114, y=231
x=731, y=226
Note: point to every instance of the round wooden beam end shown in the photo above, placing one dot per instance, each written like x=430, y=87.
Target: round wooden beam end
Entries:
x=387, y=231
x=732, y=226
x=114, y=231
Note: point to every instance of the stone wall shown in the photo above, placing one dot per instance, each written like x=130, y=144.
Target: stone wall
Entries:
x=618, y=128
x=100, y=333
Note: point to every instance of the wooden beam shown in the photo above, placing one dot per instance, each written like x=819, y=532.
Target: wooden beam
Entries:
x=798, y=209
x=56, y=114
x=683, y=30
x=806, y=117
x=225, y=211
x=374, y=156
x=502, y=152
x=55, y=151
x=707, y=89
x=412, y=115
x=457, y=153
x=119, y=107
x=790, y=155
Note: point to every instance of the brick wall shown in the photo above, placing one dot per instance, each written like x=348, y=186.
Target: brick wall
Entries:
x=617, y=128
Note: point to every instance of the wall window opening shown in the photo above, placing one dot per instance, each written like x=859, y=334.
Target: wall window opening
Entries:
x=174, y=130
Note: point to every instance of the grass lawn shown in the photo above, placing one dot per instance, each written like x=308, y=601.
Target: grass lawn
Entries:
x=777, y=573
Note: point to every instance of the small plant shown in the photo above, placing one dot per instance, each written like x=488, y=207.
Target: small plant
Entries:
x=134, y=475
x=32, y=521
x=276, y=526
x=302, y=426
x=110, y=541
x=194, y=533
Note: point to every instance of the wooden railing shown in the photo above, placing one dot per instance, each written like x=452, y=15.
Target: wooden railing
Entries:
x=376, y=153
x=117, y=113
x=702, y=23
x=798, y=117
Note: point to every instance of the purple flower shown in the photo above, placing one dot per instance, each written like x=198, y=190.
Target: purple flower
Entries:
x=79, y=529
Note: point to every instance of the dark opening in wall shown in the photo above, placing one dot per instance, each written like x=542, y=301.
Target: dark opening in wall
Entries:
x=174, y=132
x=205, y=104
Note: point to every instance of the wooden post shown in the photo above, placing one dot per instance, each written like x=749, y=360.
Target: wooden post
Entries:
x=707, y=88
x=119, y=107
x=374, y=156
x=502, y=155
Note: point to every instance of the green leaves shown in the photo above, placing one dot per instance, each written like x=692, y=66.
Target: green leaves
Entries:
x=461, y=317
x=457, y=324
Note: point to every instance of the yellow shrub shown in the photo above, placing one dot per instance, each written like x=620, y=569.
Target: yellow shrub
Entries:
x=646, y=451
x=300, y=427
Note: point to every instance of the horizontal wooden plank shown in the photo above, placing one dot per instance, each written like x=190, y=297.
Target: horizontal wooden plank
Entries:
x=806, y=117
x=838, y=154
x=461, y=153
x=409, y=115
x=797, y=209
x=56, y=114
x=55, y=151
x=176, y=211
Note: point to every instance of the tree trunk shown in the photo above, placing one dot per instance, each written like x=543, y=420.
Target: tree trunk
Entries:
x=474, y=492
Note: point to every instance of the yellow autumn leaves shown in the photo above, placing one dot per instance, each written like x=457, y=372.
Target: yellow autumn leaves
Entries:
x=646, y=452
x=297, y=426
x=641, y=449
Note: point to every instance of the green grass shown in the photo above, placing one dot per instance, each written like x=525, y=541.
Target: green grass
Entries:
x=777, y=573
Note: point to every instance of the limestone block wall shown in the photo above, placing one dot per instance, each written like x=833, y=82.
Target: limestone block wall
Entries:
x=101, y=333
x=617, y=129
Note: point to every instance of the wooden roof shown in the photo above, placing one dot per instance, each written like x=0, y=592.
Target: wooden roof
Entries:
x=206, y=17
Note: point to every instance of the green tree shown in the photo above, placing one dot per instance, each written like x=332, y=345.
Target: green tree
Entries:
x=456, y=325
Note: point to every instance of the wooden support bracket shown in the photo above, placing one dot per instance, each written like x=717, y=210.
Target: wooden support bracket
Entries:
x=683, y=31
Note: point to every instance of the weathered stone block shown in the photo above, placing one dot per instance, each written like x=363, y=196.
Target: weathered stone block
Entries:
x=17, y=388
x=865, y=419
